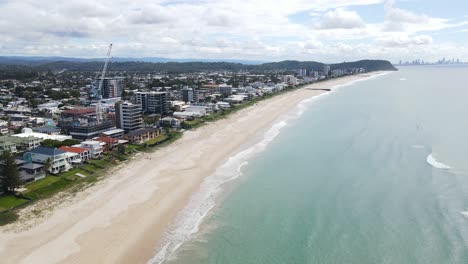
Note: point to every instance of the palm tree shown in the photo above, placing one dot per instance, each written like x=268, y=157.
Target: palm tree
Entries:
x=47, y=165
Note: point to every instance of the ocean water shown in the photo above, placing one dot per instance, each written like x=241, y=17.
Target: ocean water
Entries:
x=375, y=172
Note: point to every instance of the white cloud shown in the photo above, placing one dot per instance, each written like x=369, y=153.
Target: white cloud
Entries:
x=341, y=18
x=404, y=41
x=248, y=29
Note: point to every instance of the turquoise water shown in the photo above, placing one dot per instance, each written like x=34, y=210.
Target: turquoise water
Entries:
x=376, y=172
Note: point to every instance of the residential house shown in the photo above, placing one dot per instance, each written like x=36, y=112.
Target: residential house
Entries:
x=169, y=122
x=31, y=171
x=20, y=143
x=95, y=148
x=83, y=152
x=109, y=142
x=57, y=157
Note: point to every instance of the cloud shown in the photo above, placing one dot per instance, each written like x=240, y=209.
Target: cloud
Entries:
x=248, y=29
x=396, y=15
x=313, y=45
x=341, y=19
x=404, y=41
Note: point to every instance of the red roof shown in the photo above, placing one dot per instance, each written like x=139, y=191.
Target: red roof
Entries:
x=73, y=149
x=107, y=139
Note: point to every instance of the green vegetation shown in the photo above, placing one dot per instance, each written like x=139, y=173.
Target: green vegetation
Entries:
x=27, y=72
x=191, y=124
x=157, y=140
x=9, y=201
x=46, y=187
x=56, y=144
x=9, y=173
x=8, y=217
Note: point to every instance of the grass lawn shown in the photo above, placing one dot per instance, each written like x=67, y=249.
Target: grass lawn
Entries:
x=131, y=148
x=6, y=218
x=46, y=187
x=10, y=201
x=157, y=139
x=100, y=162
x=71, y=174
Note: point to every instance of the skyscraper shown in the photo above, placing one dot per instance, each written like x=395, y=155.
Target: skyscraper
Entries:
x=111, y=87
x=128, y=116
x=153, y=102
x=187, y=94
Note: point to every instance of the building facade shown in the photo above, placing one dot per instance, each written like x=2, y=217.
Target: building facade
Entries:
x=128, y=116
x=187, y=94
x=153, y=102
x=111, y=87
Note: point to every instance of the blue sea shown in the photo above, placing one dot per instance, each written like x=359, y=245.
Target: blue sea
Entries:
x=374, y=172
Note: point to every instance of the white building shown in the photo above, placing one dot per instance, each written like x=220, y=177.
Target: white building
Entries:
x=198, y=110
x=27, y=132
x=95, y=148
x=128, y=116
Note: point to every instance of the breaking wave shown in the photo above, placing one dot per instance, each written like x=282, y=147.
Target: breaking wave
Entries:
x=435, y=163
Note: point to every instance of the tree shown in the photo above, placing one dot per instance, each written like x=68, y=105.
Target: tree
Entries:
x=121, y=149
x=9, y=173
x=57, y=144
x=47, y=164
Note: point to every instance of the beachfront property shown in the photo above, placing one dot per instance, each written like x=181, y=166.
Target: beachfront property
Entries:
x=107, y=143
x=141, y=135
x=94, y=147
x=223, y=105
x=30, y=171
x=128, y=116
x=198, y=110
x=57, y=157
x=169, y=122
x=83, y=153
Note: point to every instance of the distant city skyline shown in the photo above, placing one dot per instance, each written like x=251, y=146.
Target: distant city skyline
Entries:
x=328, y=31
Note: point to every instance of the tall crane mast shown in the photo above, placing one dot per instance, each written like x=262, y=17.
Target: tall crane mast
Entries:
x=101, y=82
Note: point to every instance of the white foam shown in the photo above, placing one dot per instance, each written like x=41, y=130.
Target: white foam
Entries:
x=402, y=79
x=464, y=213
x=435, y=163
x=418, y=146
x=189, y=219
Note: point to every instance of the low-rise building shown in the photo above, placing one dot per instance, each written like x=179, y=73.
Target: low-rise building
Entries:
x=83, y=152
x=95, y=148
x=142, y=135
x=114, y=133
x=169, y=122
x=28, y=132
x=30, y=171
x=14, y=144
x=108, y=143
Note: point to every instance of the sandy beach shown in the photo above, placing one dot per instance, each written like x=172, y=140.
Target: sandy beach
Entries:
x=123, y=217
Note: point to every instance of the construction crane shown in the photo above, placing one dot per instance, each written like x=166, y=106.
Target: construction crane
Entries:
x=101, y=82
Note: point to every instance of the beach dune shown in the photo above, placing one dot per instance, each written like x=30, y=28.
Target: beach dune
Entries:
x=123, y=217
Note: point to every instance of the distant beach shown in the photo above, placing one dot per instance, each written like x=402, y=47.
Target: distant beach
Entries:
x=124, y=218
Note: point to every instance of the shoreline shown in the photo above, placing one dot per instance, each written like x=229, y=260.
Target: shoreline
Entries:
x=123, y=218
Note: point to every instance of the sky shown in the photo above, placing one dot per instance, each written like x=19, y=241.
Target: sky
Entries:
x=266, y=30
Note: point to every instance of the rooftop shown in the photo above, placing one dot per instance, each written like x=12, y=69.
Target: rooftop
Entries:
x=47, y=151
x=73, y=149
x=141, y=132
